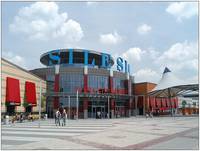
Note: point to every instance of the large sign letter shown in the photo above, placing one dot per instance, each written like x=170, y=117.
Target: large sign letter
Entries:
x=105, y=60
x=70, y=56
x=85, y=57
x=119, y=64
x=54, y=56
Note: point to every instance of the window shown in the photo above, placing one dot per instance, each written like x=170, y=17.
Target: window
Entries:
x=118, y=83
x=70, y=82
x=97, y=82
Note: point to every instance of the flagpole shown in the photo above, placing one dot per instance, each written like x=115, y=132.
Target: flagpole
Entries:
x=40, y=103
x=77, y=104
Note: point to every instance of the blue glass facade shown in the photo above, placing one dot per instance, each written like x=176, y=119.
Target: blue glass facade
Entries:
x=70, y=82
x=97, y=82
x=118, y=83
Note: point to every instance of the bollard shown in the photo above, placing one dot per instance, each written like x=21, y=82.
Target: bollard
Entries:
x=7, y=120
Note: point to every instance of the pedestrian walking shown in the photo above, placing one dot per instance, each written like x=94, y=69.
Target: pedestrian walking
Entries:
x=107, y=115
x=55, y=117
x=58, y=116
x=64, y=117
x=21, y=118
x=151, y=114
x=98, y=114
x=147, y=115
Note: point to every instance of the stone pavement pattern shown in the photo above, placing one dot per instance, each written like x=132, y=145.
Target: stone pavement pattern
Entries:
x=127, y=133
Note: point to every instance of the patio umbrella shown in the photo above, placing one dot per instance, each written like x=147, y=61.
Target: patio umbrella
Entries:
x=169, y=86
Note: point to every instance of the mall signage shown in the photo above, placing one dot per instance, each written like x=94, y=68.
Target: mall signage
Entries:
x=122, y=64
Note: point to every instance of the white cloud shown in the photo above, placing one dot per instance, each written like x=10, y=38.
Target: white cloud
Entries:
x=183, y=9
x=144, y=29
x=147, y=75
x=193, y=79
x=153, y=53
x=110, y=39
x=133, y=54
x=16, y=59
x=42, y=21
x=180, y=56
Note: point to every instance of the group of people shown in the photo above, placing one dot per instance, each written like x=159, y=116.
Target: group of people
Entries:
x=100, y=115
x=149, y=114
x=60, y=117
x=17, y=117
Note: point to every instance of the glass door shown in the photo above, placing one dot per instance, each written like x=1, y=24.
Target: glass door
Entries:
x=94, y=111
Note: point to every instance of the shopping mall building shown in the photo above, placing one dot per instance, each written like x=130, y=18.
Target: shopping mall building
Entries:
x=85, y=82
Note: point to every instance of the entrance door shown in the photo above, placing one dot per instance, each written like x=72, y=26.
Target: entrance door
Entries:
x=94, y=112
x=100, y=109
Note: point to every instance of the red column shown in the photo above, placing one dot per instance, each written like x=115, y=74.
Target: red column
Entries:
x=112, y=104
x=85, y=73
x=56, y=89
x=85, y=104
x=112, y=108
x=110, y=82
x=85, y=89
x=56, y=86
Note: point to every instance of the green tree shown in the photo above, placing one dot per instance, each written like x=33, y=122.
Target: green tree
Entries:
x=43, y=101
x=25, y=104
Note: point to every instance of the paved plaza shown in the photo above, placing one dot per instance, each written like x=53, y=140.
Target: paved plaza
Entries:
x=127, y=133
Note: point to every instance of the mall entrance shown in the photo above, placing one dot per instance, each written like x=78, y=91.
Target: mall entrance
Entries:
x=100, y=109
x=120, y=111
x=97, y=107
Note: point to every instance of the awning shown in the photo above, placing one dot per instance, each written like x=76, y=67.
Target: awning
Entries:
x=168, y=103
x=163, y=102
x=176, y=102
x=12, y=91
x=30, y=92
x=158, y=102
x=152, y=102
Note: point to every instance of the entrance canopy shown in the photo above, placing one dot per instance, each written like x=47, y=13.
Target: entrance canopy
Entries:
x=170, y=86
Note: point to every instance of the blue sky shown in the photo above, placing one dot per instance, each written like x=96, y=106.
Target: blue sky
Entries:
x=149, y=35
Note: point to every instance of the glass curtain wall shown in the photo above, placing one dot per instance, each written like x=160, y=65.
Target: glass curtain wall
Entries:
x=118, y=83
x=70, y=82
x=97, y=82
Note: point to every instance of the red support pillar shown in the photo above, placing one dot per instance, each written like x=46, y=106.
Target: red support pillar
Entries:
x=129, y=92
x=112, y=107
x=129, y=107
x=85, y=108
x=56, y=89
x=110, y=82
x=85, y=89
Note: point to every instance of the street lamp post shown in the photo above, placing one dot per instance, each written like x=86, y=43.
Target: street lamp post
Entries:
x=40, y=103
x=108, y=107
x=77, y=104
x=169, y=97
x=69, y=105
